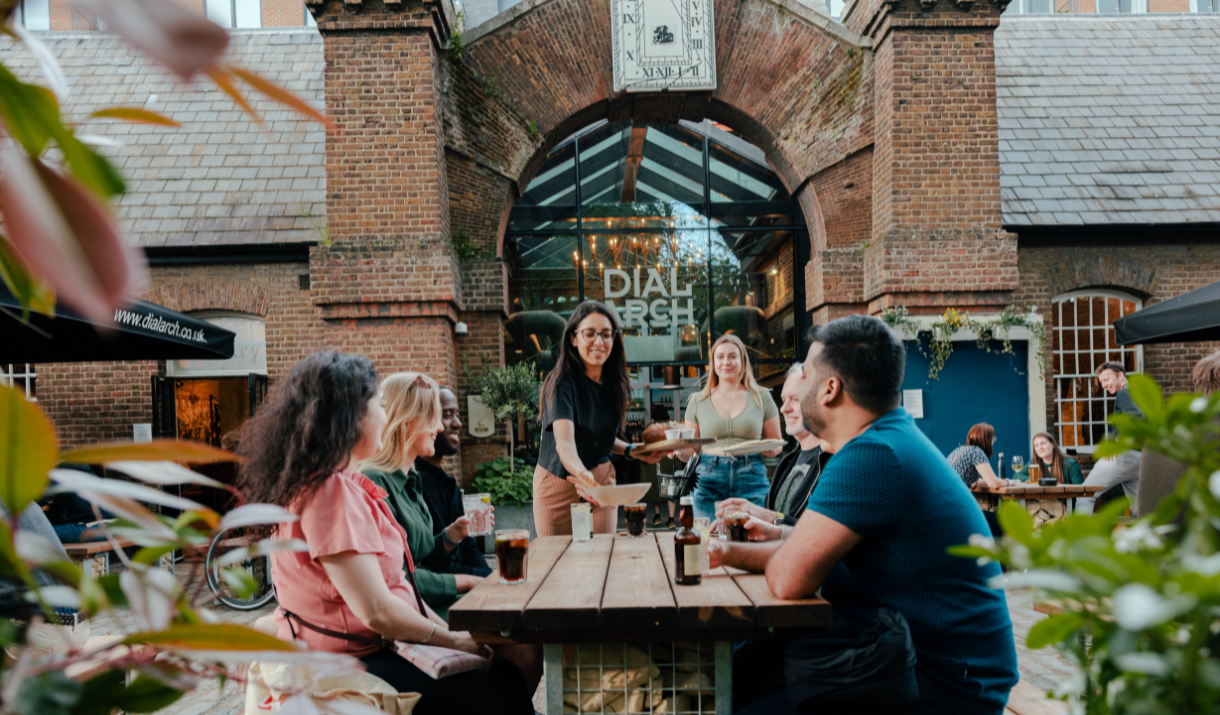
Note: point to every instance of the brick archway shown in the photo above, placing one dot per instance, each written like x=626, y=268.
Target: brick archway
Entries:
x=1103, y=272
x=231, y=295
x=791, y=81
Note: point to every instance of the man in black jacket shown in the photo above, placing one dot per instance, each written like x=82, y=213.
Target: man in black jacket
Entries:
x=441, y=490
x=795, y=476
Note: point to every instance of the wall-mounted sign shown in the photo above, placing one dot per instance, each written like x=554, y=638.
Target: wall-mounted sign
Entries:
x=662, y=46
x=482, y=419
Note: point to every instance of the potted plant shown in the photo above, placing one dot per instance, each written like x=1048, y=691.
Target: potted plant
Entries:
x=511, y=393
x=510, y=484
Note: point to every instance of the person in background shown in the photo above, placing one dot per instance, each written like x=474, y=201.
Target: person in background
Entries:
x=582, y=407
x=796, y=475
x=875, y=534
x=972, y=461
x=1159, y=474
x=1054, y=462
x=1123, y=469
x=441, y=492
x=413, y=408
x=733, y=408
x=300, y=451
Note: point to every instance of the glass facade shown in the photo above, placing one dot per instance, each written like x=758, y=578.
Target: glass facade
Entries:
x=683, y=229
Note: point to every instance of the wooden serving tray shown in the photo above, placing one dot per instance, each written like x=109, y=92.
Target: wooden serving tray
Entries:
x=670, y=445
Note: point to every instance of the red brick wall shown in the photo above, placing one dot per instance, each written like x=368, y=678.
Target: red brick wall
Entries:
x=93, y=402
x=1155, y=273
x=478, y=201
x=480, y=348
x=845, y=194
x=283, y=13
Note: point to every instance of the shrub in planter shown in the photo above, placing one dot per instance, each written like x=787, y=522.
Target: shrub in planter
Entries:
x=508, y=483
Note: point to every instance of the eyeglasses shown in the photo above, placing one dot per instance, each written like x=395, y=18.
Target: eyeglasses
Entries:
x=606, y=336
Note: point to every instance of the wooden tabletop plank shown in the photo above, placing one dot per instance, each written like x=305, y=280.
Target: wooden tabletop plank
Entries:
x=571, y=595
x=1033, y=491
x=492, y=606
x=771, y=611
x=718, y=602
x=637, y=592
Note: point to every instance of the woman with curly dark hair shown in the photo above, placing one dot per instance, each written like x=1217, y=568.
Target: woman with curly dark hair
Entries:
x=349, y=593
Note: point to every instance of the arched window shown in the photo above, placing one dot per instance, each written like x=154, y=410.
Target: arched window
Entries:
x=1082, y=338
x=249, y=349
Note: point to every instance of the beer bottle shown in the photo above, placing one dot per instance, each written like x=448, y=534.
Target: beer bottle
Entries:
x=687, y=547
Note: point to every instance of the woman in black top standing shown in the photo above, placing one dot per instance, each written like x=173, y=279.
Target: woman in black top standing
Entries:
x=583, y=406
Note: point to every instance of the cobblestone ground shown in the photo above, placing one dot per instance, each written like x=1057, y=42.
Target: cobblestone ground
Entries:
x=1041, y=668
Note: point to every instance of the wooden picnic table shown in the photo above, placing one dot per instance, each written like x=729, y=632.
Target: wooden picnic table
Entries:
x=1046, y=504
x=620, y=590
x=617, y=588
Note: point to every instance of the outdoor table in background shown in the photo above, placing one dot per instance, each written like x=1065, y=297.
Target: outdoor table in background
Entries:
x=1046, y=504
x=619, y=592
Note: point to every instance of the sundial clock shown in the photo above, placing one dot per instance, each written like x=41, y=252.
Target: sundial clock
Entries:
x=663, y=45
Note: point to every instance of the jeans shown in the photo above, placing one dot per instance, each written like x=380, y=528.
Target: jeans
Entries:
x=71, y=533
x=724, y=477
x=1123, y=469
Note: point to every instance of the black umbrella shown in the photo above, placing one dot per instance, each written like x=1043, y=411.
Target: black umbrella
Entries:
x=142, y=331
x=1188, y=318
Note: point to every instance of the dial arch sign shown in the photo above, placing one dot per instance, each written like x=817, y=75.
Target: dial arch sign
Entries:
x=662, y=45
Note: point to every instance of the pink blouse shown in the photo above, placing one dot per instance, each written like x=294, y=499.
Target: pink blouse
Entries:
x=347, y=514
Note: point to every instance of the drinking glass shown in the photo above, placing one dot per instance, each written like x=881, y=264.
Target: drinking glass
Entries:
x=478, y=510
x=1017, y=463
x=582, y=522
x=512, y=555
x=703, y=525
x=635, y=515
x=735, y=525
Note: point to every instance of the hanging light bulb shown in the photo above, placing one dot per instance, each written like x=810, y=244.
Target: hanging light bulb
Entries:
x=774, y=271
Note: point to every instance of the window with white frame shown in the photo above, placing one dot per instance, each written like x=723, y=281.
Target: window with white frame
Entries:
x=309, y=21
x=249, y=349
x=35, y=14
x=1205, y=5
x=20, y=377
x=235, y=13
x=1082, y=338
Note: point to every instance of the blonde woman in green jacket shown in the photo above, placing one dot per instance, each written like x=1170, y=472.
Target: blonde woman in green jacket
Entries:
x=412, y=405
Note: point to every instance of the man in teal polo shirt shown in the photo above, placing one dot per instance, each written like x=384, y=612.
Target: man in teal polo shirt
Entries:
x=876, y=530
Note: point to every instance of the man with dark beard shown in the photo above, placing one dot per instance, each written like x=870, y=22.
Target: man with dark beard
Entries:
x=441, y=490
x=874, y=539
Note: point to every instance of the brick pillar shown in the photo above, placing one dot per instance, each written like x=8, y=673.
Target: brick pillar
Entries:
x=936, y=234
x=387, y=284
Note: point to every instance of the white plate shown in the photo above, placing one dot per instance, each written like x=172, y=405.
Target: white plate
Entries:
x=756, y=447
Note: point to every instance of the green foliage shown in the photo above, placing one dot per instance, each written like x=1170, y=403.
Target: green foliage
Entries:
x=939, y=346
x=1140, y=604
x=508, y=482
x=49, y=693
x=511, y=393
x=457, y=52
x=532, y=126
x=104, y=693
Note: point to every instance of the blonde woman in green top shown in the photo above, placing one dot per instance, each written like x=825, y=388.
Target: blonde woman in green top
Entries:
x=413, y=407
x=733, y=408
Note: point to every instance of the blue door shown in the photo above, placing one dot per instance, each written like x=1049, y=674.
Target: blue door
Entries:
x=974, y=386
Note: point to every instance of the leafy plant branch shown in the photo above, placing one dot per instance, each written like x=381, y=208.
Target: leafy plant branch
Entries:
x=938, y=347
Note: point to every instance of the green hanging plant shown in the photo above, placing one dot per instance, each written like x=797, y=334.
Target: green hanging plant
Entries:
x=939, y=345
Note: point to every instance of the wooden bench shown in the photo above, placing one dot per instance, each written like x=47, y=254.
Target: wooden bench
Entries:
x=1026, y=699
x=94, y=556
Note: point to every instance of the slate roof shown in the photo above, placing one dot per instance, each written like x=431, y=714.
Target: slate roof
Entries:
x=1104, y=119
x=1109, y=119
x=218, y=179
